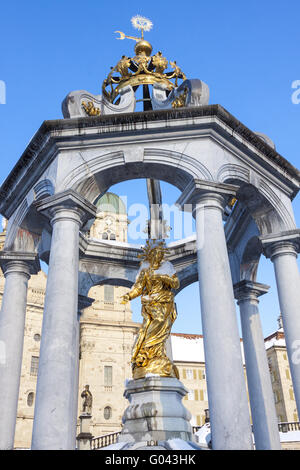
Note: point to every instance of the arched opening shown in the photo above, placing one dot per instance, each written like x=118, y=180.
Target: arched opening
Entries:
x=30, y=399
x=265, y=207
x=188, y=310
x=107, y=413
x=133, y=195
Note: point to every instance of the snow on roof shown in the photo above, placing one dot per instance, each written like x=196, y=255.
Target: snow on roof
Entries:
x=203, y=435
x=276, y=339
x=290, y=436
x=190, y=347
x=187, y=348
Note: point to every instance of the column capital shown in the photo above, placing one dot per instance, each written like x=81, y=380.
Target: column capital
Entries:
x=281, y=244
x=207, y=193
x=21, y=262
x=249, y=290
x=67, y=205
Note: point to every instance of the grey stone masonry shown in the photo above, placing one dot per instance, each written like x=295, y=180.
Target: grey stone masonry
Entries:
x=229, y=415
x=155, y=411
x=282, y=250
x=54, y=424
x=17, y=268
x=265, y=426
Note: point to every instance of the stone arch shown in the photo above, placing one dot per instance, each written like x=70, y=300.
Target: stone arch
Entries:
x=179, y=169
x=88, y=280
x=250, y=259
x=43, y=188
x=19, y=237
x=281, y=211
x=235, y=266
x=187, y=276
x=106, y=170
x=230, y=171
x=265, y=207
x=24, y=228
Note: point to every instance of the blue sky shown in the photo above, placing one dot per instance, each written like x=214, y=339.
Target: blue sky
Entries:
x=247, y=52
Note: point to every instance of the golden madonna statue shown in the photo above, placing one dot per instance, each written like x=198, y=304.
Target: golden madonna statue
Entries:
x=154, y=283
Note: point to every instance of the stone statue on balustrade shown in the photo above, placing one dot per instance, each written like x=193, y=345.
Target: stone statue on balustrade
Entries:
x=87, y=400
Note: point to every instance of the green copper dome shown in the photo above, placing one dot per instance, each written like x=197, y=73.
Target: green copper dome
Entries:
x=110, y=202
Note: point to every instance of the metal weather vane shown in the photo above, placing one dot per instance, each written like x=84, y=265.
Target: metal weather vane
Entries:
x=138, y=22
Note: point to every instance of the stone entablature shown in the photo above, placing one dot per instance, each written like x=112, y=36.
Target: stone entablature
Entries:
x=216, y=119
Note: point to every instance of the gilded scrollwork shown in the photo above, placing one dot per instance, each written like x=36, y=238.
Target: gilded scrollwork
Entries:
x=122, y=67
x=180, y=100
x=177, y=73
x=142, y=69
x=160, y=63
x=90, y=108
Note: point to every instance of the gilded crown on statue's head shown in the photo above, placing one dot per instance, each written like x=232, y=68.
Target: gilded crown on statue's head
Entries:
x=151, y=246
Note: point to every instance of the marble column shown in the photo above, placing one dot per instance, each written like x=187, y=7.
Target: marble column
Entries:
x=17, y=268
x=227, y=395
x=282, y=250
x=54, y=424
x=264, y=418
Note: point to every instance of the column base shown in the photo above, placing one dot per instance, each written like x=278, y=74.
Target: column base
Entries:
x=156, y=412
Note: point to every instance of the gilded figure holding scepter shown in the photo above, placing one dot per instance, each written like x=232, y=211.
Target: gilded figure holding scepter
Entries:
x=155, y=282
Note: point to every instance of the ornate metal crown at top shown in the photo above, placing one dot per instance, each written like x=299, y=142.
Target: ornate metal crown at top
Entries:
x=143, y=69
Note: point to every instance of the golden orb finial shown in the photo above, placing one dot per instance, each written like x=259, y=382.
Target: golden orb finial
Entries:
x=143, y=48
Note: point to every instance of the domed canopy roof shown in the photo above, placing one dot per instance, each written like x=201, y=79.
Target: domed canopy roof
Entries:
x=110, y=202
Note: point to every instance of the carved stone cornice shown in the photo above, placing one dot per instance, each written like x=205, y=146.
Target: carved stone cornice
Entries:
x=54, y=135
x=249, y=290
x=65, y=205
x=199, y=191
x=282, y=243
x=19, y=261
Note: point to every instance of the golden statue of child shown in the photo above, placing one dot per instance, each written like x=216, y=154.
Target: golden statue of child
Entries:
x=154, y=283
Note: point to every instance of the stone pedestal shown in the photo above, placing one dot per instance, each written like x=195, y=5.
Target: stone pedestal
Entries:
x=85, y=436
x=156, y=412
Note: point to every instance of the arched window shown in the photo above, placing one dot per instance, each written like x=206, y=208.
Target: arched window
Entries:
x=107, y=412
x=108, y=376
x=112, y=236
x=104, y=236
x=30, y=399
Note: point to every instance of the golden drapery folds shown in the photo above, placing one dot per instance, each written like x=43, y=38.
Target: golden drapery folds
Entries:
x=154, y=283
